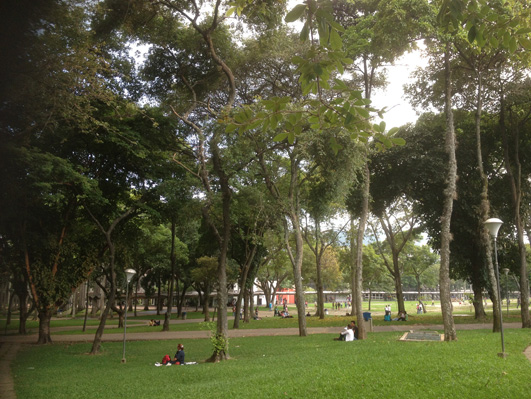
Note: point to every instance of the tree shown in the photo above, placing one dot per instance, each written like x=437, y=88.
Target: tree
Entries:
x=418, y=261
x=274, y=270
x=327, y=185
x=513, y=122
x=399, y=227
x=47, y=101
x=319, y=110
x=204, y=276
x=377, y=33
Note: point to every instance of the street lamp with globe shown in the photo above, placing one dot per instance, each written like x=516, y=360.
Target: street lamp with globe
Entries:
x=493, y=225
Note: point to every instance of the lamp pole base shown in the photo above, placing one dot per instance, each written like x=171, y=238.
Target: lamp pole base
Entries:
x=123, y=358
x=503, y=355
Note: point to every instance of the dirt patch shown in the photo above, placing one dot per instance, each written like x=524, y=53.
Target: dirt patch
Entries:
x=527, y=353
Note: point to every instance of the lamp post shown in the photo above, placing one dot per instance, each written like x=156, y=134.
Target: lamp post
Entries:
x=493, y=225
x=129, y=273
x=506, y=271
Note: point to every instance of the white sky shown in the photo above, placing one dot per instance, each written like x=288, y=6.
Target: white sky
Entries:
x=400, y=111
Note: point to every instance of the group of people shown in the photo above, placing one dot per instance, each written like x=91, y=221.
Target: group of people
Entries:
x=402, y=315
x=350, y=333
x=340, y=305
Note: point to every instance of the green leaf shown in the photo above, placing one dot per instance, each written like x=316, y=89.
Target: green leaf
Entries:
x=392, y=131
x=472, y=34
x=254, y=125
x=348, y=119
x=291, y=137
x=335, y=145
x=335, y=40
x=523, y=31
x=230, y=11
x=398, y=141
x=494, y=42
x=363, y=112
x=513, y=45
x=296, y=13
x=280, y=137
x=230, y=128
x=340, y=85
x=525, y=43
x=305, y=32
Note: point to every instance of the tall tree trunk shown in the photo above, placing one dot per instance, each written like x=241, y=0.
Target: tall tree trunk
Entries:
x=479, y=310
x=398, y=286
x=45, y=315
x=514, y=176
x=450, y=193
x=86, y=306
x=167, y=316
x=484, y=210
x=417, y=277
x=159, y=296
x=243, y=285
x=353, y=263
x=362, y=334
x=96, y=344
x=297, y=270
x=206, y=304
x=23, y=314
x=74, y=304
x=222, y=353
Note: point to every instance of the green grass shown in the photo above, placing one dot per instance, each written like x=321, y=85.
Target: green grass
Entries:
x=137, y=324
x=284, y=367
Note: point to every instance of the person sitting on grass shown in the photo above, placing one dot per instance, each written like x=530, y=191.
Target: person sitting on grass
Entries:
x=346, y=335
x=402, y=316
x=179, y=355
x=354, y=329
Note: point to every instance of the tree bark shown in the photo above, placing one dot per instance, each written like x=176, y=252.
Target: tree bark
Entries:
x=450, y=193
x=479, y=310
x=167, y=316
x=353, y=257
x=484, y=210
x=45, y=316
x=362, y=334
x=514, y=176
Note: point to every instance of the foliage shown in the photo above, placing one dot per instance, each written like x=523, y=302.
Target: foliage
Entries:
x=317, y=70
x=220, y=343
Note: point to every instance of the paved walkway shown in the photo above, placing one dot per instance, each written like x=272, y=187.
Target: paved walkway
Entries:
x=165, y=335
x=8, y=351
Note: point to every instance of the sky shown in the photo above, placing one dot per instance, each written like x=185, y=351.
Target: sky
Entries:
x=400, y=111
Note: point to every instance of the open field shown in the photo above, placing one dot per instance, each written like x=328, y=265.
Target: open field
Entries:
x=283, y=367
x=462, y=315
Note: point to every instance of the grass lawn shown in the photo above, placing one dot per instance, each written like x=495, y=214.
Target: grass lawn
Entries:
x=284, y=367
x=462, y=315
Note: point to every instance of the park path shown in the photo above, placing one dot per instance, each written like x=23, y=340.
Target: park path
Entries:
x=8, y=351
